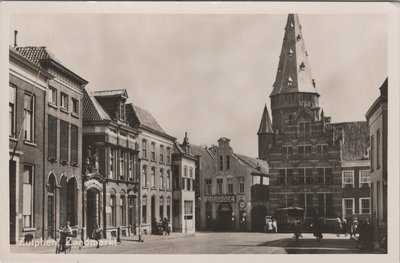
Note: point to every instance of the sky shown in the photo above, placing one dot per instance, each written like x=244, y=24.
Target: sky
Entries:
x=211, y=75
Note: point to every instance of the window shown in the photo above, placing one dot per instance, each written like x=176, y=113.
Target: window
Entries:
x=287, y=151
x=168, y=155
x=185, y=170
x=378, y=148
x=168, y=180
x=113, y=154
x=74, y=144
x=229, y=182
x=322, y=149
x=290, y=82
x=365, y=206
x=75, y=106
x=309, y=205
x=290, y=52
x=71, y=201
x=122, y=112
x=189, y=184
x=221, y=162
x=122, y=209
x=161, y=207
x=153, y=151
x=29, y=123
x=365, y=177
x=162, y=153
x=11, y=107
x=130, y=168
x=52, y=137
x=153, y=177
x=27, y=203
x=208, y=185
x=64, y=136
x=219, y=186
x=304, y=128
x=122, y=165
x=113, y=215
x=188, y=207
x=168, y=208
x=191, y=172
x=227, y=162
x=348, y=207
x=347, y=178
x=183, y=183
x=304, y=150
x=144, y=209
x=290, y=177
x=64, y=101
x=161, y=179
x=144, y=149
x=241, y=184
x=53, y=96
x=372, y=153
x=282, y=178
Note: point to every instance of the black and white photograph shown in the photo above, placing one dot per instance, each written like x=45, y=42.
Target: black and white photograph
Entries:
x=267, y=130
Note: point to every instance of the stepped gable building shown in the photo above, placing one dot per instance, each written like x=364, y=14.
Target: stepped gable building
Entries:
x=377, y=118
x=110, y=164
x=156, y=148
x=27, y=97
x=299, y=143
x=60, y=127
x=183, y=178
x=355, y=166
x=233, y=189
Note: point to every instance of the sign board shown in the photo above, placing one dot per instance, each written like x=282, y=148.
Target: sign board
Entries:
x=223, y=198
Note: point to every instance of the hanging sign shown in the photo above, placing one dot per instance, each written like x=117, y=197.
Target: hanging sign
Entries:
x=223, y=198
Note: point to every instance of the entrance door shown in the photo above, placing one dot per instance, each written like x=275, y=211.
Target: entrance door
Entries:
x=153, y=209
x=208, y=215
x=12, y=176
x=258, y=214
x=224, y=217
x=51, y=208
x=93, y=210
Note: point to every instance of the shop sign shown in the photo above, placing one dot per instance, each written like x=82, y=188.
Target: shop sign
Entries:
x=223, y=198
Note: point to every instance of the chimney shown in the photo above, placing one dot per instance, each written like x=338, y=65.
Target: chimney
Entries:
x=15, y=38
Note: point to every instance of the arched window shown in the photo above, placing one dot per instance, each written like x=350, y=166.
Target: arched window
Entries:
x=161, y=207
x=169, y=208
x=122, y=204
x=112, y=219
x=161, y=178
x=71, y=201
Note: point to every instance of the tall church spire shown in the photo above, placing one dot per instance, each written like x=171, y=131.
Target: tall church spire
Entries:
x=265, y=124
x=294, y=72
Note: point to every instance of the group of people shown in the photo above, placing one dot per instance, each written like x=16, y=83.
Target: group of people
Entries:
x=161, y=227
x=344, y=227
x=271, y=226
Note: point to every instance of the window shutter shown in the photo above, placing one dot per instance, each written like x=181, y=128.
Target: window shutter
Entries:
x=74, y=144
x=64, y=126
x=52, y=141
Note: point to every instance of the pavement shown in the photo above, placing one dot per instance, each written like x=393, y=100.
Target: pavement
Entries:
x=215, y=243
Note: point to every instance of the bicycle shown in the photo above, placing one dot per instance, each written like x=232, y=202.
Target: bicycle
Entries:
x=67, y=247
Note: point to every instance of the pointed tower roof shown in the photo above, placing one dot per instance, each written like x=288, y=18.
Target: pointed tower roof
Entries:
x=294, y=72
x=265, y=124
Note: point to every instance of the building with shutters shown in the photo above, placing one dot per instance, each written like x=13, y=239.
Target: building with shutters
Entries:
x=110, y=164
x=377, y=118
x=156, y=148
x=299, y=143
x=60, y=129
x=234, y=189
x=27, y=97
x=183, y=186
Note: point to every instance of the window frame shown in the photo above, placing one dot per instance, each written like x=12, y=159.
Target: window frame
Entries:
x=31, y=197
x=343, y=178
x=75, y=107
x=344, y=206
x=360, y=176
x=31, y=118
x=361, y=207
x=64, y=100
x=12, y=105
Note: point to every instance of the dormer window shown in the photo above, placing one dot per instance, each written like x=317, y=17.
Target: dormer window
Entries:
x=298, y=37
x=302, y=66
x=290, y=82
x=291, y=25
x=291, y=52
x=122, y=112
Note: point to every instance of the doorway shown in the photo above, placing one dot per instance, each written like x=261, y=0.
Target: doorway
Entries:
x=51, y=208
x=12, y=191
x=224, y=217
x=258, y=214
x=93, y=210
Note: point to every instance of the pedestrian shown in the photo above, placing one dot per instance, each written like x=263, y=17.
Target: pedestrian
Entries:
x=344, y=227
x=369, y=235
x=96, y=235
x=274, y=226
x=353, y=227
x=361, y=235
x=166, y=228
x=338, y=226
x=317, y=229
x=65, y=232
x=269, y=226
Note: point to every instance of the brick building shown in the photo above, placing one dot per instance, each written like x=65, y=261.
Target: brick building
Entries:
x=355, y=166
x=183, y=186
x=299, y=144
x=111, y=164
x=27, y=99
x=233, y=189
x=377, y=118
